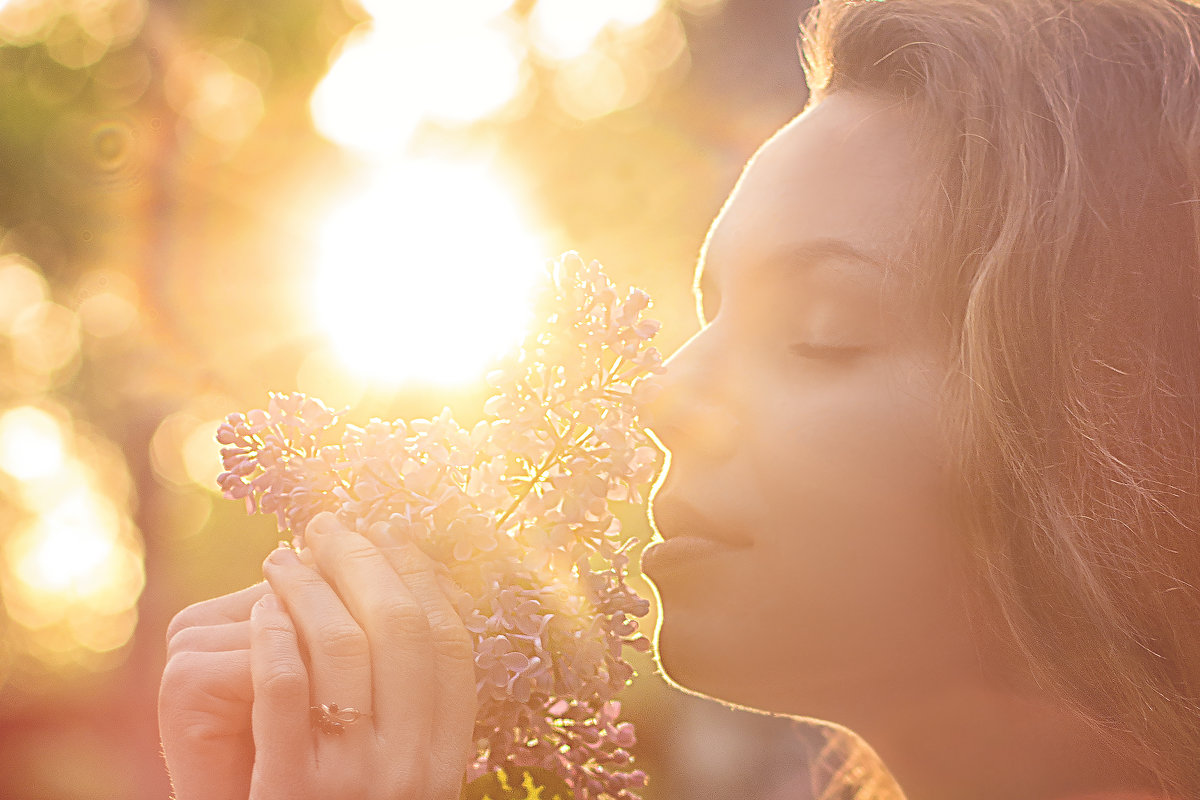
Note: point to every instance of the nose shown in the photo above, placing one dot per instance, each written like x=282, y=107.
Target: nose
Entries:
x=691, y=406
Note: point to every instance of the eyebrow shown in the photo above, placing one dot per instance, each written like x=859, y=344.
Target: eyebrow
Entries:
x=799, y=257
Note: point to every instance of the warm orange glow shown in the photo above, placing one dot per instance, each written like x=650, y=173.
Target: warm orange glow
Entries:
x=183, y=449
x=21, y=287
x=69, y=546
x=23, y=22
x=107, y=314
x=31, y=444
x=451, y=67
x=76, y=34
x=45, y=337
x=347, y=107
x=567, y=29
x=219, y=101
x=201, y=460
x=702, y=7
x=591, y=86
x=75, y=564
x=323, y=375
x=425, y=273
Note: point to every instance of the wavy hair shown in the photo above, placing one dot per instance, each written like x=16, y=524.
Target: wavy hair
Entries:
x=1061, y=255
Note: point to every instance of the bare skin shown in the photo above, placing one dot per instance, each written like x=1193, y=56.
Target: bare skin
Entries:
x=365, y=625
x=803, y=427
x=802, y=423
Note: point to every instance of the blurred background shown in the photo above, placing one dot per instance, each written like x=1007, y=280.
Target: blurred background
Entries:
x=204, y=201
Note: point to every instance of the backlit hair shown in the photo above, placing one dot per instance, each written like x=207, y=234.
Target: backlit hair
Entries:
x=1060, y=252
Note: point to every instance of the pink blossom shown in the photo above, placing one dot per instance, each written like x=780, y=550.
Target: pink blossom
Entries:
x=515, y=509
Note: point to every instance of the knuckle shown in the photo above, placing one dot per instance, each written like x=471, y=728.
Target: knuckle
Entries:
x=178, y=675
x=197, y=679
x=302, y=586
x=181, y=640
x=284, y=682
x=344, y=642
x=189, y=617
x=187, y=672
x=307, y=582
x=191, y=725
x=401, y=620
x=452, y=640
x=342, y=547
x=352, y=558
x=407, y=559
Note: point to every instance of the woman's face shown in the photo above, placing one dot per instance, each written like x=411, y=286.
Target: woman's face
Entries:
x=809, y=555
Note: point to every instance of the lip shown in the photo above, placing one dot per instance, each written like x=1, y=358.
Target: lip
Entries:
x=678, y=552
x=689, y=537
x=674, y=518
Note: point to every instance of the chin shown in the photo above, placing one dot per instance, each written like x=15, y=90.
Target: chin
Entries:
x=696, y=663
x=696, y=660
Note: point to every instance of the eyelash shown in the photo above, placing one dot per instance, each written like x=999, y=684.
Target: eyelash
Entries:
x=825, y=351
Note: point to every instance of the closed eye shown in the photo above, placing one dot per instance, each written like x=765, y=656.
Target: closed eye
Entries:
x=829, y=351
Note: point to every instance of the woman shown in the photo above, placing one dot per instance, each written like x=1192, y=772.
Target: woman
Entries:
x=935, y=468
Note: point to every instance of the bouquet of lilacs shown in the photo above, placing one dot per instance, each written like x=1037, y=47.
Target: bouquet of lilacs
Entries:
x=516, y=509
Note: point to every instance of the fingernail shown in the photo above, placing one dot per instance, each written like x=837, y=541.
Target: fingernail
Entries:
x=283, y=554
x=268, y=602
x=380, y=535
x=323, y=523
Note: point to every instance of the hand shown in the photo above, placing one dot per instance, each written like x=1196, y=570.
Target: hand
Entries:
x=367, y=627
x=205, y=698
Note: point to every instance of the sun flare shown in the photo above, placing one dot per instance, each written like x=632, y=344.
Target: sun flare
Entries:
x=425, y=274
x=438, y=67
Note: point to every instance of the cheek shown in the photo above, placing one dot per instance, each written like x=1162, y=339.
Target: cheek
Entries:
x=860, y=504
x=853, y=577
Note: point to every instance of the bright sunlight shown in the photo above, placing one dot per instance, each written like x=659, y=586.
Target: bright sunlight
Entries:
x=454, y=68
x=425, y=274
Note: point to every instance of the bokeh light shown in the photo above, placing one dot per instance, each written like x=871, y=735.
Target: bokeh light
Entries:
x=184, y=450
x=425, y=273
x=323, y=374
x=69, y=545
x=440, y=67
x=21, y=287
x=567, y=29
x=217, y=100
x=180, y=232
x=31, y=443
x=76, y=33
x=702, y=7
x=45, y=337
x=72, y=569
x=107, y=303
x=591, y=85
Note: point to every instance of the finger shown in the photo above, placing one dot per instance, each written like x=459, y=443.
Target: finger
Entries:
x=453, y=646
x=204, y=721
x=280, y=714
x=195, y=683
x=211, y=638
x=427, y=582
x=337, y=650
x=402, y=654
x=233, y=607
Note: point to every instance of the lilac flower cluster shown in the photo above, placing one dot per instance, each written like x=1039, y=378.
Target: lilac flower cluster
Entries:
x=516, y=509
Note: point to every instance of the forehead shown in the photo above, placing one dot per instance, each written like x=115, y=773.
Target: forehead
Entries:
x=845, y=172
